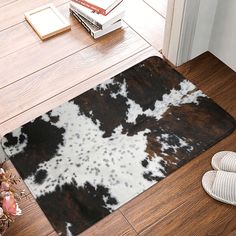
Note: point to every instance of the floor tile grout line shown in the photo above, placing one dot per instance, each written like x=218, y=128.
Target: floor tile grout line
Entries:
x=129, y=222
x=90, y=77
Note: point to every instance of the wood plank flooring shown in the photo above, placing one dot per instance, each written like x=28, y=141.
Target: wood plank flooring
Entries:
x=158, y=6
x=146, y=22
x=36, y=87
x=36, y=77
x=13, y=12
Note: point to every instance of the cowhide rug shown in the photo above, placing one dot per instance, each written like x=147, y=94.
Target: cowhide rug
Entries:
x=89, y=156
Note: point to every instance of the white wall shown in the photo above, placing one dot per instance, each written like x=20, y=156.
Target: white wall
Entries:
x=223, y=37
x=196, y=26
x=216, y=30
x=204, y=25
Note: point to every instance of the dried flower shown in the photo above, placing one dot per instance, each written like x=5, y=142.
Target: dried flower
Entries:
x=5, y=186
x=1, y=212
x=9, y=195
x=2, y=194
x=9, y=205
x=2, y=171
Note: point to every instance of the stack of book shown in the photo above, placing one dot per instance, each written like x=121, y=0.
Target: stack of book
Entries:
x=99, y=17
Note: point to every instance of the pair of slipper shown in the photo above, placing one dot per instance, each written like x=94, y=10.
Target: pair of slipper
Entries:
x=220, y=183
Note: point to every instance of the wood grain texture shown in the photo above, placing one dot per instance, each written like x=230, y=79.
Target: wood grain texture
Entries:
x=21, y=185
x=42, y=54
x=233, y=233
x=146, y=22
x=180, y=199
x=21, y=35
x=12, y=14
x=74, y=91
x=32, y=222
x=159, y=6
x=36, y=88
x=165, y=208
x=224, y=226
x=114, y=224
x=216, y=80
x=6, y=2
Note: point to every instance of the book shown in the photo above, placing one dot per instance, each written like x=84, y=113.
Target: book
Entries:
x=93, y=30
x=103, y=7
x=96, y=19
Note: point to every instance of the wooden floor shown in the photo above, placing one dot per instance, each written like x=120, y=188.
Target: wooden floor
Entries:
x=36, y=77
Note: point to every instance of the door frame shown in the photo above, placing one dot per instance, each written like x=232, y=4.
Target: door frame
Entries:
x=180, y=27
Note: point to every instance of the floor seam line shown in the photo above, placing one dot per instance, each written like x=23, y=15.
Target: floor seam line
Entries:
x=137, y=32
x=155, y=10
x=71, y=87
x=156, y=222
x=45, y=67
x=9, y=3
x=20, y=22
x=129, y=222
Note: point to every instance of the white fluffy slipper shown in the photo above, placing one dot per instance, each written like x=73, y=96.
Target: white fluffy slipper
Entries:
x=220, y=185
x=224, y=160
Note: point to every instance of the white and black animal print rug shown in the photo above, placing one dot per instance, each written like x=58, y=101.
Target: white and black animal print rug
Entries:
x=89, y=156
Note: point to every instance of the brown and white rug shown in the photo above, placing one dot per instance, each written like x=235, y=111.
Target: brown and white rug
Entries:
x=87, y=157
